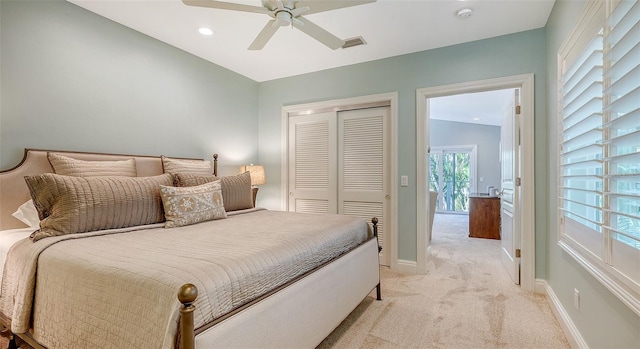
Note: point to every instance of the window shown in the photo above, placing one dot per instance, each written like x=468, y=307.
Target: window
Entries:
x=599, y=145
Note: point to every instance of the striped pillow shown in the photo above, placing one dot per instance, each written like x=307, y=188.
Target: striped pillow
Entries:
x=67, y=166
x=171, y=165
x=69, y=205
x=236, y=190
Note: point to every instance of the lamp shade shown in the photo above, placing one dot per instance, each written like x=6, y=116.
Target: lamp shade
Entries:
x=257, y=173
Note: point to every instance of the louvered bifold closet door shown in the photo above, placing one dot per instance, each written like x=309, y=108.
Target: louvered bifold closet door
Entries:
x=363, y=165
x=312, y=172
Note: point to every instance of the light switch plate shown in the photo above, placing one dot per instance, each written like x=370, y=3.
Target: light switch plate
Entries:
x=404, y=181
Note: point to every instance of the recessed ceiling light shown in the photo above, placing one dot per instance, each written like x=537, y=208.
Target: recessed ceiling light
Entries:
x=464, y=13
x=476, y=119
x=205, y=31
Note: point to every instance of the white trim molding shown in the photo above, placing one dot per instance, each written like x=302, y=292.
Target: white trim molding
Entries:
x=392, y=99
x=527, y=224
x=570, y=330
x=405, y=266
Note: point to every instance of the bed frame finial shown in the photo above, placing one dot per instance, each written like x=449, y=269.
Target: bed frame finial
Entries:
x=187, y=295
x=215, y=165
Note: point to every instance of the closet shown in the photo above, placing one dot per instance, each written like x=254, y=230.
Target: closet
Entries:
x=339, y=163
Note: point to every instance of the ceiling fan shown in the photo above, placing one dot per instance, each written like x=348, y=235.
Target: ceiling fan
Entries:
x=285, y=13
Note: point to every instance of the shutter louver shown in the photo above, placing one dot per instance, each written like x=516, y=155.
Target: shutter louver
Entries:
x=367, y=210
x=363, y=153
x=622, y=136
x=312, y=156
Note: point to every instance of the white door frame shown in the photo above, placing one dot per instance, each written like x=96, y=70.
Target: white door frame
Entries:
x=527, y=222
x=391, y=99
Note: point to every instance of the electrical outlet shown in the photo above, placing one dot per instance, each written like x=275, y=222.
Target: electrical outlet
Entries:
x=576, y=299
x=404, y=181
x=481, y=179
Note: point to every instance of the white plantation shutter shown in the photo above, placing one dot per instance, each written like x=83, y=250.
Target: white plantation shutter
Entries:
x=581, y=146
x=599, y=142
x=622, y=137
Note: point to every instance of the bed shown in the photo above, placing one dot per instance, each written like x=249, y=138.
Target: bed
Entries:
x=247, y=277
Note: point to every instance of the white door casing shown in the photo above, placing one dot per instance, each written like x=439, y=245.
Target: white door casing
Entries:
x=510, y=191
x=527, y=198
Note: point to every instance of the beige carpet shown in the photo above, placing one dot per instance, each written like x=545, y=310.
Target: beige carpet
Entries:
x=466, y=300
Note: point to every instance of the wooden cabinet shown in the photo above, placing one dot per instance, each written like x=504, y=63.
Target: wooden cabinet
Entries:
x=484, y=217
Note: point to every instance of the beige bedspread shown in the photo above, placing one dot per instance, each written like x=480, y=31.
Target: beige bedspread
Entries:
x=117, y=289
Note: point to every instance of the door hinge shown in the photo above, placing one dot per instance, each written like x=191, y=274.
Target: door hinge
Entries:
x=518, y=109
x=428, y=149
x=517, y=253
x=518, y=182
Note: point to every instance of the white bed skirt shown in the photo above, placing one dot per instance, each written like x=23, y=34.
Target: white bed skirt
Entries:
x=304, y=313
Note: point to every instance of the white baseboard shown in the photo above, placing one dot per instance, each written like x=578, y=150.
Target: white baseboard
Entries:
x=570, y=330
x=403, y=266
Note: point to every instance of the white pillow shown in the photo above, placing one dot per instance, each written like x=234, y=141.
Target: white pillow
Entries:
x=28, y=214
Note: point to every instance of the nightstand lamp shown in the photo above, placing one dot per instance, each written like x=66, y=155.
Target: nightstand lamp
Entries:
x=257, y=178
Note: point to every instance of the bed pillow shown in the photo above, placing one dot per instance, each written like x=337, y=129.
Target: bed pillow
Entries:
x=190, y=205
x=236, y=190
x=69, y=205
x=183, y=179
x=64, y=165
x=170, y=165
x=27, y=214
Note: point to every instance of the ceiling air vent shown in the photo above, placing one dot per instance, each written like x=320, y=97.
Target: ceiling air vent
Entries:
x=351, y=42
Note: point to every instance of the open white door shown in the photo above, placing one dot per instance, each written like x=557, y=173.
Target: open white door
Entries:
x=510, y=194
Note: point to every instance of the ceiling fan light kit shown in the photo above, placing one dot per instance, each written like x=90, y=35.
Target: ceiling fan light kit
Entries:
x=464, y=13
x=285, y=13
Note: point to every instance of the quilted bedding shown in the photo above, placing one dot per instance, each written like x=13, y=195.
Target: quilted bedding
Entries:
x=117, y=288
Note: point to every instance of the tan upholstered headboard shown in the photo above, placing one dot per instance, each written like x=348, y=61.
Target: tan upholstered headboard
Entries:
x=14, y=191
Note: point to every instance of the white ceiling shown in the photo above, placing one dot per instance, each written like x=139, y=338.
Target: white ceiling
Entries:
x=487, y=107
x=390, y=28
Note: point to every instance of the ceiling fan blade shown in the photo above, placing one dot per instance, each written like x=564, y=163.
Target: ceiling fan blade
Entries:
x=265, y=34
x=225, y=5
x=328, y=5
x=316, y=32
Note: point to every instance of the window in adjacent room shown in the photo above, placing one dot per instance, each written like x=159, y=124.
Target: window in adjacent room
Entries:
x=599, y=145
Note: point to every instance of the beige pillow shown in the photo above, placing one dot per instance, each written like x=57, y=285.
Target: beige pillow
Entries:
x=236, y=190
x=67, y=166
x=171, y=165
x=69, y=205
x=190, y=205
x=192, y=179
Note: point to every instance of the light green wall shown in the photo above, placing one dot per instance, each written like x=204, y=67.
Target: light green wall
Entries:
x=486, y=137
x=603, y=320
x=73, y=80
x=508, y=55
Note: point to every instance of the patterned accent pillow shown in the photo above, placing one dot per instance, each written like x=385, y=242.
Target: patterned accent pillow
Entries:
x=202, y=167
x=236, y=190
x=69, y=205
x=64, y=165
x=190, y=205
